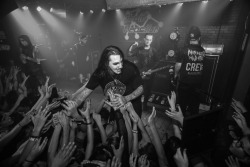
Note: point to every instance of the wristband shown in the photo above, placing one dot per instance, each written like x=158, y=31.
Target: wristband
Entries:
x=135, y=131
x=33, y=138
x=88, y=123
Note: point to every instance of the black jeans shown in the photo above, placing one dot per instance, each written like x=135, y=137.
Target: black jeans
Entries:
x=188, y=97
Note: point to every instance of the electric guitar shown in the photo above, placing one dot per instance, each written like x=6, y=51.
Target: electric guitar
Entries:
x=24, y=59
x=144, y=74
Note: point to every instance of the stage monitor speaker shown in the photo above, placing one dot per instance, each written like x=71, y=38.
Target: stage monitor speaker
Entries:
x=199, y=131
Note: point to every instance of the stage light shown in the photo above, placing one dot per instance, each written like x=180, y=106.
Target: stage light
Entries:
x=38, y=8
x=51, y=9
x=159, y=6
x=103, y=10
x=205, y=1
x=81, y=12
x=91, y=11
x=25, y=8
x=117, y=10
x=180, y=4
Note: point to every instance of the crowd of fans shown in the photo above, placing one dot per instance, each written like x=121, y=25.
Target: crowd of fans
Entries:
x=44, y=127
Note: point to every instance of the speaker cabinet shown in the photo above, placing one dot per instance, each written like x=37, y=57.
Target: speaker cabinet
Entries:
x=210, y=68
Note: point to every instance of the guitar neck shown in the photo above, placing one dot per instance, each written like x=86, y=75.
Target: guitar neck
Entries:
x=158, y=69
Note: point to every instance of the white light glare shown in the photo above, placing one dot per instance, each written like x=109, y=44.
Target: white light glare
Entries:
x=25, y=8
x=38, y=8
x=117, y=10
x=103, y=10
x=51, y=9
x=205, y=1
x=81, y=12
x=180, y=4
x=91, y=11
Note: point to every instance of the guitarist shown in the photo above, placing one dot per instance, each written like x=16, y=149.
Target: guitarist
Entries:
x=145, y=59
x=30, y=64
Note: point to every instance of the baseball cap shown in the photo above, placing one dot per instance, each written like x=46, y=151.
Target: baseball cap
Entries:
x=194, y=33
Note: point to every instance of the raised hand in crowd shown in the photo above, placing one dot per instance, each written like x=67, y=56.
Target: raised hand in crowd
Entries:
x=238, y=104
x=181, y=158
x=162, y=160
x=41, y=90
x=22, y=90
x=12, y=134
x=71, y=108
x=152, y=117
x=86, y=112
x=241, y=121
x=15, y=70
x=134, y=117
x=232, y=162
x=143, y=162
x=119, y=151
x=132, y=160
x=36, y=151
x=111, y=128
x=119, y=101
x=72, y=124
x=113, y=100
x=55, y=119
x=63, y=157
x=48, y=88
x=97, y=118
x=39, y=121
x=90, y=134
x=26, y=120
x=176, y=115
x=114, y=163
x=25, y=78
x=52, y=105
x=172, y=101
x=63, y=120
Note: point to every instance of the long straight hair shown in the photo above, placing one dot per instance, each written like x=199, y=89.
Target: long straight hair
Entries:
x=103, y=69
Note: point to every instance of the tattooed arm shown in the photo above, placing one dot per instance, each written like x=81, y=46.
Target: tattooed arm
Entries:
x=134, y=94
x=82, y=95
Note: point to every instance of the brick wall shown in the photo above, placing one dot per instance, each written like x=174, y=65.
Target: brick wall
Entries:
x=228, y=32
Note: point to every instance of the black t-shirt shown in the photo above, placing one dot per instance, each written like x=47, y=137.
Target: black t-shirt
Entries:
x=123, y=84
x=146, y=58
x=192, y=59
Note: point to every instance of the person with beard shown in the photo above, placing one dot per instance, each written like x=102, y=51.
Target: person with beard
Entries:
x=117, y=75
